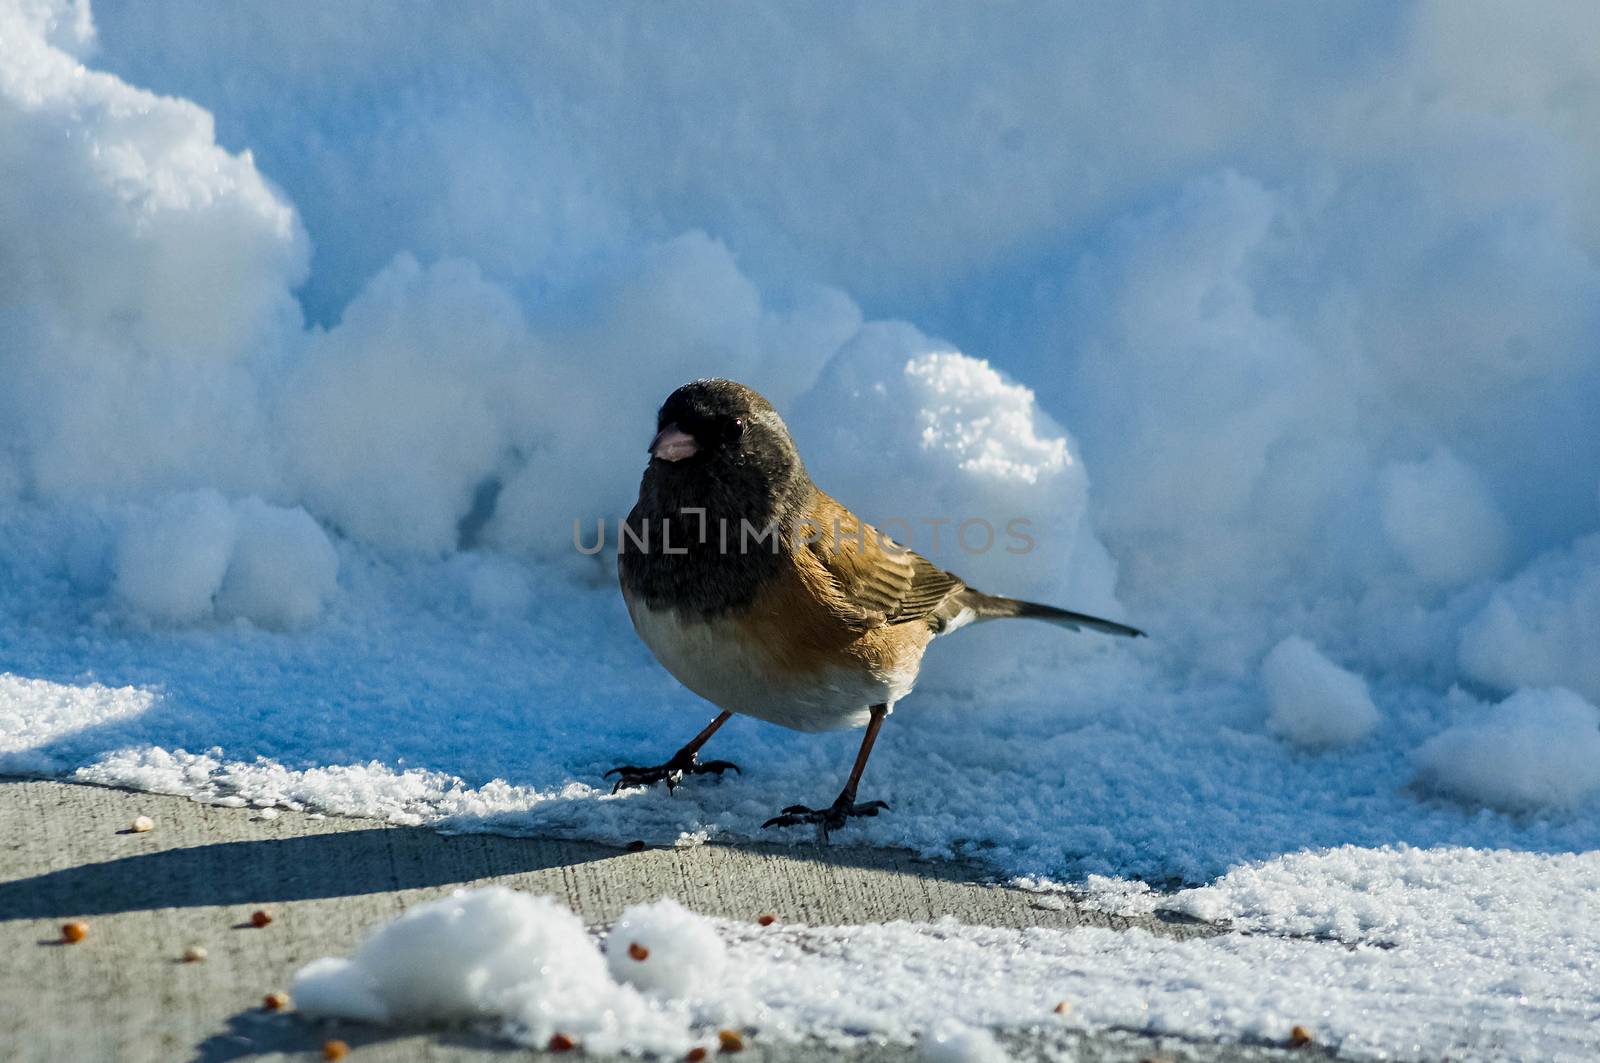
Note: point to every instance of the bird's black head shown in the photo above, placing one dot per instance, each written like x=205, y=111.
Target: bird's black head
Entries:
x=718, y=442
x=710, y=423
x=722, y=469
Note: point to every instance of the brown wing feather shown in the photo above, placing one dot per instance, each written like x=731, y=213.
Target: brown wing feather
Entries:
x=872, y=585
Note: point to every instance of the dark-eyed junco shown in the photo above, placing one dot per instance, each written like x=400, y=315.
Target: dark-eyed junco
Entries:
x=766, y=597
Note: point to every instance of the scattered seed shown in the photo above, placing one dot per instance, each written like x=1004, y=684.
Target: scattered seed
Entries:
x=560, y=1042
x=638, y=952
x=1064, y=1007
x=275, y=1001
x=75, y=932
x=730, y=1040
x=768, y=919
x=695, y=1055
x=194, y=954
x=260, y=918
x=334, y=1050
x=1299, y=1037
x=142, y=825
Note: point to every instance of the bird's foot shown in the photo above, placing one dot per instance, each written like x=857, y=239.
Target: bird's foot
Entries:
x=671, y=773
x=827, y=819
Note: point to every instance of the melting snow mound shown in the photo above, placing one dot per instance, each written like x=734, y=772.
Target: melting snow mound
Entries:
x=489, y=955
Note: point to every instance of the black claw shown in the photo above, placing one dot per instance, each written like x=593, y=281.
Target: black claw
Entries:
x=671, y=773
x=826, y=819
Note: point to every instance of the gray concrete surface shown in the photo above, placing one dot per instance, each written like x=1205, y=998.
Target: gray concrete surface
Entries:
x=124, y=994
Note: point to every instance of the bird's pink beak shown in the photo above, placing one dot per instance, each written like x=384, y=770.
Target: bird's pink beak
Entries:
x=673, y=444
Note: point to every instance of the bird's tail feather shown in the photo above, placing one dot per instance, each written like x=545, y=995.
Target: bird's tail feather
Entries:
x=994, y=607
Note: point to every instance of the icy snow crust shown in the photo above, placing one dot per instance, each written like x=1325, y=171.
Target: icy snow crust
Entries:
x=291, y=447
x=1452, y=953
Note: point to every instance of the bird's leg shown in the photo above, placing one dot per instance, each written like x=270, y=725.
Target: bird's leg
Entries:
x=685, y=761
x=844, y=806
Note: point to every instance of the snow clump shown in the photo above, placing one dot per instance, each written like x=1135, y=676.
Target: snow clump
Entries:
x=1313, y=702
x=491, y=954
x=193, y=555
x=1536, y=751
x=666, y=949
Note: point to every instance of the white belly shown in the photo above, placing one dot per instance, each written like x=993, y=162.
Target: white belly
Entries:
x=712, y=659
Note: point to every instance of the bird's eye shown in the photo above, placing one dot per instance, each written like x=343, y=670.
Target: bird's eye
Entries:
x=736, y=428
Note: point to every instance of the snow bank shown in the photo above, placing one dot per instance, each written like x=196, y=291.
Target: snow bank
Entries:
x=1254, y=370
x=172, y=355
x=147, y=266
x=400, y=411
x=676, y=310
x=1536, y=751
x=1225, y=344
x=1182, y=389
x=1313, y=702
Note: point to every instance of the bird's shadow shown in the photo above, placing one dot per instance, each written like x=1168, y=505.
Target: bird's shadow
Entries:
x=257, y=1033
x=339, y=863
x=365, y=860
